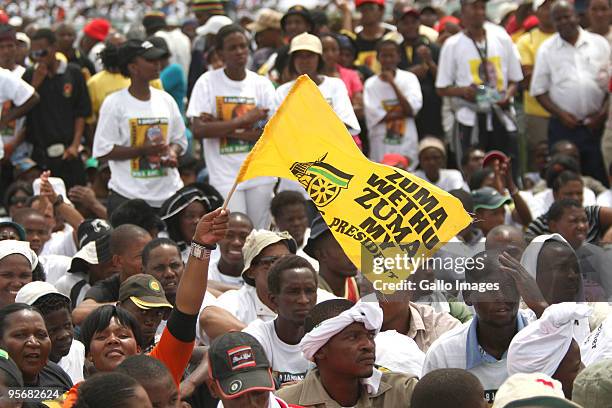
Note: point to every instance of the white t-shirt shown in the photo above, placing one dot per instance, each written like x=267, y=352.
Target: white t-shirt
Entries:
x=61, y=243
x=180, y=47
x=544, y=199
x=286, y=360
x=398, y=136
x=214, y=93
x=65, y=284
x=449, y=179
x=460, y=62
x=127, y=121
x=16, y=90
x=73, y=362
x=605, y=199
x=55, y=266
x=201, y=336
x=450, y=351
x=215, y=274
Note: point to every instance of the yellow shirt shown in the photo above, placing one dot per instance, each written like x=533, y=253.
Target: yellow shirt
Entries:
x=527, y=46
x=105, y=83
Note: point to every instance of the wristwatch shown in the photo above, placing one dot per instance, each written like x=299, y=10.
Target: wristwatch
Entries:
x=200, y=251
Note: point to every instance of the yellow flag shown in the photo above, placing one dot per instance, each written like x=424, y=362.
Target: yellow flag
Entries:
x=376, y=212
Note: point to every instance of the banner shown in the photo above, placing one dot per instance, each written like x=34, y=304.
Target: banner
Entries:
x=374, y=211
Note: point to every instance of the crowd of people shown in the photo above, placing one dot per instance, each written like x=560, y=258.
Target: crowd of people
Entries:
x=128, y=279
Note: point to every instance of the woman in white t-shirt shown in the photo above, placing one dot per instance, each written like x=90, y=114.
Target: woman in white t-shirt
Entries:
x=140, y=132
x=432, y=159
x=229, y=107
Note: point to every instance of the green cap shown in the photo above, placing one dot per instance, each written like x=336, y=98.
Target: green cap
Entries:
x=593, y=386
x=145, y=291
x=489, y=199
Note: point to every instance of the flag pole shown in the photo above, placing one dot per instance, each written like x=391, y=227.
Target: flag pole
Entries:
x=229, y=195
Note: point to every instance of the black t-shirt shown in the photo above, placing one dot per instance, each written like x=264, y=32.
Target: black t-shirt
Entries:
x=366, y=52
x=52, y=376
x=105, y=291
x=63, y=99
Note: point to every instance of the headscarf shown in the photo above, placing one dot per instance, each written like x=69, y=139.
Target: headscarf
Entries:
x=12, y=247
x=541, y=346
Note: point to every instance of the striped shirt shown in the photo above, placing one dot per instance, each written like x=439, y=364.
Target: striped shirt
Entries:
x=539, y=226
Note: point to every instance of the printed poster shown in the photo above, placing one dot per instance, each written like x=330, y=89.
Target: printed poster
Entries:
x=395, y=128
x=492, y=67
x=148, y=131
x=228, y=108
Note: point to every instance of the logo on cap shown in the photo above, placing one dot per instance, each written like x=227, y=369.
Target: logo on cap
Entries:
x=241, y=357
x=67, y=90
x=146, y=45
x=235, y=386
x=153, y=285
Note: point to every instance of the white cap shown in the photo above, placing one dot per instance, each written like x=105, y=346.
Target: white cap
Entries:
x=13, y=247
x=213, y=25
x=23, y=37
x=306, y=42
x=531, y=390
x=537, y=4
x=33, y=291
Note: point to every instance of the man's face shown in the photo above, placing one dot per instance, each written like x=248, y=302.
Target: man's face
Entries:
x=148, y=319
x=371, y=13
x=489, y=219
x=573, y=225
x=38, y=231
x=162, y=392
x=329, y=252
x=262, y=263
x=231, y=246
x=298, y=294
x=130, y=261
x=253, y=399
x=475, y=160
x=352, y=352
x=165, y=265
x=569, y=368
x=599, y=13
x=295, y=25
x=408, y=27
x=474, y=15
x=293, y=219
x=429, y=18
x=235, y=51
x=388, y=56
x=558, y=274
x=565, y=21
x=65, y=37
x=8, y=53
x=497, y=308
x=61, y=331
x=572, y=190
x=42, y=52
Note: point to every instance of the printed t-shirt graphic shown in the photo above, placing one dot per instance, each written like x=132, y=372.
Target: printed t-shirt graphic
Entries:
x=395, y=128
x=228, y=108
x=492, y=69
x=143, y=132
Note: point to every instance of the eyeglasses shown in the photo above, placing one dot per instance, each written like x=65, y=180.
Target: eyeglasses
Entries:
x=267, y=260
x=18, y=200
x=39, y=53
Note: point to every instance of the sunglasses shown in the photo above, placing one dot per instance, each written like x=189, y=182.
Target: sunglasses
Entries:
x=40, y=53
x=18, y=200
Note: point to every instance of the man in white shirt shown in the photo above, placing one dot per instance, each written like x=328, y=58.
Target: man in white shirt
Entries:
x=480, y=68
x=570, y=80
x=292, y=285
x=432, y=162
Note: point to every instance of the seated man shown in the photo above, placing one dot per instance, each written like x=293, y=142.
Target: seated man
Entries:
x=489, y=206
x=336, y=271
x=340, y=341
x=480, y=345
x=448, y=387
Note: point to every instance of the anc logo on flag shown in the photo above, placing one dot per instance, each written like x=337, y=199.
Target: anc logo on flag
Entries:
x=322, y=181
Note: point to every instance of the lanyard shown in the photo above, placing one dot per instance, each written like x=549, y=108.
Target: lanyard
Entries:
x=483, y=55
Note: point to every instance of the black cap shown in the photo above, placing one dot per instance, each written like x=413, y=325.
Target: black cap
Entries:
x=92, y=229
x=154, y=21
x=238, y=364
x=317, y=229
x=136, y=48
x=300, y=11
x=160, y=43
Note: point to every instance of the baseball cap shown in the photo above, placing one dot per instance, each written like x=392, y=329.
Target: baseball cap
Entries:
x=494, y=155
x=20, y=231
x=213, y=25
x=23, y=37
x=97, y=29
x=160, y=43
x=395, y=160
x=136, y=48
x=299, y=11
x=317, y=229
x=238, y=364
x=306, y=42
x=92, y=229
x=410, y=11
x=360, y=2
x=145, y=291
x=154, y=21
x=430, y=141
x=257, y=241
x=33, y=291
x=93, y=253
x=181, y=200
x=489, y=198
x=208, y=6
x=266, y=19
x=531, y=390
x=593, y=386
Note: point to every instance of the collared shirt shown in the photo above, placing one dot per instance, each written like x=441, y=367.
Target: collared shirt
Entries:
x=394, y=390
x=426, y=325
x=575, y=76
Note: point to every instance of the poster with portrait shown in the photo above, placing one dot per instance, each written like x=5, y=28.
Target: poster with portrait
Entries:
x=490, y=67
x=228, y=108
x=394, y=128
x=148, y=131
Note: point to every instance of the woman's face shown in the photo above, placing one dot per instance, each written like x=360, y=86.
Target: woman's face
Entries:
x=189, y=218
x=109, y=347
x=15, y=272
x=27, y=342
x=331, y=51
x=306, y=62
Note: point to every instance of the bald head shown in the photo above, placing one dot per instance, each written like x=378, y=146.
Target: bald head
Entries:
x=505, y=237
x=241, y=218
x=125, y=235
